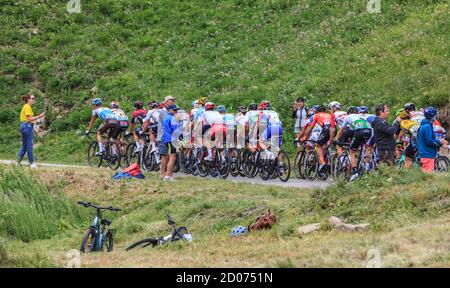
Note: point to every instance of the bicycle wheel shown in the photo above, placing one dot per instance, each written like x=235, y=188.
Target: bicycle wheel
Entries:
x=264, y=172
x=223, y=163
x=202, y=166
x=114, y=156
x=131, y=157
x=344, y=168
x=147, y=158
x=311, y=165
x=297, y=164
x=123, y=155
x=440, y=164
x=234, y=162
x=250, y=164
x=143, y=243
x=93, y=159
x=88, y=241
x=283, y=166
x=334, y=166
x=109, y=239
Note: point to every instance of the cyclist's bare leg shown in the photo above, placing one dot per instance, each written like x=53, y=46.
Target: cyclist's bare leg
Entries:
x=171, y=164
x=408, y=162
x=353, y=158
x=321, y=154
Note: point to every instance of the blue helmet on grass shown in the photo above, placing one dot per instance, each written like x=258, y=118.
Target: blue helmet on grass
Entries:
x=238, y=230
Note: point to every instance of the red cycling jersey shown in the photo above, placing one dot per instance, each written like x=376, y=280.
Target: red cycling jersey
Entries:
x=324, y=119
x=138, y=115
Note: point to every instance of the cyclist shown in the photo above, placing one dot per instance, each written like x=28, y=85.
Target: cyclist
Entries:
x=109, y=124
x=339, y=115
x=361, y=135
x=121, y=117
x=229, y=121
x=335, y=108
x=251, y=121
x=316, y=131
x=151, y=120
x=240, y=127
x=328, y=125
x=416, y=116
x=271, y=125
x=408, y=136
x=137, y=120
x=196, y=126
x=370, y=144
x=212, y=125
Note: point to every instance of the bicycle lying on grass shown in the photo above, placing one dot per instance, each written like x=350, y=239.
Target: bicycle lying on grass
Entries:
x=178, y=233
x=99, y=234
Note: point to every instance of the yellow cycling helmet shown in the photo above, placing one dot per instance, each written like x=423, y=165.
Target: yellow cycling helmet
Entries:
x=202, y=101
x=403, y=114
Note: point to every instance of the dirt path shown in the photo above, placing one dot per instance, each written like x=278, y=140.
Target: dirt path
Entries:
x=292, y=183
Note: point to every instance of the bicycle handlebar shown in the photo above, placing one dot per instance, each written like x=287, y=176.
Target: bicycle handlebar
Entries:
x=89, y=204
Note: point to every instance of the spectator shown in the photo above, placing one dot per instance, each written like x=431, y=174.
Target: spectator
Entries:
x=384, y=134
x=170, y=137
x=300, y=115
x=168, y=101
x=27, y=120
x=427, y=142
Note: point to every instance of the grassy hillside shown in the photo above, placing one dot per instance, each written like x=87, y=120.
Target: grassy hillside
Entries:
x=408, y=212
x=233, y=51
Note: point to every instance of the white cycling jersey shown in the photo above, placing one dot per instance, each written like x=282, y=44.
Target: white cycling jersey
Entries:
x=229, y=120
x=103, y=113
x=355, y=122
x=417, y=116
x=211, y=117
x=119, y=115
x=152, y=116
x=339, y=117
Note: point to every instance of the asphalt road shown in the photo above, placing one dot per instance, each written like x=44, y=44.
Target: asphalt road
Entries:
x=292, y=183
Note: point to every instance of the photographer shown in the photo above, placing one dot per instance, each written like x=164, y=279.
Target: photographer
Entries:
x=299, y=114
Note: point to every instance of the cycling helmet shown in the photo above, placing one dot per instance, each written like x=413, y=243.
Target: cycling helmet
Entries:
x=352, y=110
x=138, y=104
x=242, y=109
x=410, y=107
x=202, y=101
x=399, y=111
x=252, y=106
x=153, y=104
x=403, y=115
x=221, y=109
x=363, y=109
x=430, y=112
x=264, y=105
x=334, y=104
x=210, y=106
x=238, y=230
x=97, y=101
x=194, y=103
x=321, y=108
x=114, y=105
x=161, y=105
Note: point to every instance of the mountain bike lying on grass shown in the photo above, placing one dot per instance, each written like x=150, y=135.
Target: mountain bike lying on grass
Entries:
x=99, y=234
x=178, y=233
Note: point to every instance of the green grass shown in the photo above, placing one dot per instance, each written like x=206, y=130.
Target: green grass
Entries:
x=30, y=210
x=233, y=51
x=408, y=212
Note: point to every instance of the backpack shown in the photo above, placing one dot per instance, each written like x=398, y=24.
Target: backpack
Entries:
x=264, y=221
